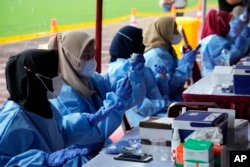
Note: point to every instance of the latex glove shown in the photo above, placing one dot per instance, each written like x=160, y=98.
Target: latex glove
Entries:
x=101, y=114
x=161, y=70
x=124, y=90
x=237, y=25
x=245, y=15
x=60, y=157
x=246, y=32
x=190, y=56
x=138, y=61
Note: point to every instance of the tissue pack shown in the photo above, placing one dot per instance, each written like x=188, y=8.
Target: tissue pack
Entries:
x=193, y=120
x=153, y=128
x=241, y=79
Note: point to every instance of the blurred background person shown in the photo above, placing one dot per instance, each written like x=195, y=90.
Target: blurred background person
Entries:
x=180, y=6
x=166, y=5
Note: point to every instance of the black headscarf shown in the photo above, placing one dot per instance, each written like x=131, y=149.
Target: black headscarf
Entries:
x=126, y=41
x=24, y=87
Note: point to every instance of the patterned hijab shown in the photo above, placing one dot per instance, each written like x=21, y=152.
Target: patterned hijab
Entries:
x=71, y=45
x=160, y=34
x=216, y=22
x=126, y=41
x=28, y=75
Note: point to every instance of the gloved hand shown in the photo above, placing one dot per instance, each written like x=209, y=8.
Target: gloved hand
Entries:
x=161, y=69
x=60, y=157
x=124, y=90
x=236, y=26
x=190, y=56
x=138, y=61
x=246, y=32
x=245, y=16
x=101, y=114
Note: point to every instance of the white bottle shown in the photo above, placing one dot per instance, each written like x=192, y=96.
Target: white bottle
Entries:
x=225, y=57
x=174, y=143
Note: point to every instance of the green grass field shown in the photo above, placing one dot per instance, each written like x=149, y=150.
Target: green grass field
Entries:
x=19, y=17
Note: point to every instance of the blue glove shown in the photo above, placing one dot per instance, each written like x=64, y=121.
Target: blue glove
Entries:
x=190, y=56
x=124, y=90
x=245, y=15
x=101, y=114
x=60, y=157
x=236, y=26
x=127, y=146
x=246, y=32
x=138, y=61
x=161, y=69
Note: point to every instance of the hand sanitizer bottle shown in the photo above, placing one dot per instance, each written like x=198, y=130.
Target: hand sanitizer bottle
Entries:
x=174, y=143
x=225, y=58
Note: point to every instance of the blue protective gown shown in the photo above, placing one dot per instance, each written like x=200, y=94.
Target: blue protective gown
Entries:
x=69, y=101
x=25, y=143
x=155, y=100
x=178, y=71
x=211, y=48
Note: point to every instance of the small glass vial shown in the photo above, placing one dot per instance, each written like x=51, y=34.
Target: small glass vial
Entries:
x=225, y=58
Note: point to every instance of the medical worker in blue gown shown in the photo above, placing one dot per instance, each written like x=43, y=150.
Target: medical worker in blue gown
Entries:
x=221, y=32
x=32, y=131
x=85, y=91
x=158, y=39
x=126, y=44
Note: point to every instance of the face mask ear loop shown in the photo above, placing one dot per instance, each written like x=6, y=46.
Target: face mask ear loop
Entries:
x=39, y=76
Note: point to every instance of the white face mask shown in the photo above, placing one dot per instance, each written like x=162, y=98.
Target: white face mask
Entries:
x=176, y=39
x=56, y=84
x=87, y=68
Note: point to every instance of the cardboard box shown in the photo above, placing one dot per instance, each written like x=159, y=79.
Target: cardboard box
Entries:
x=220, y=155
x=222, y=75
x=198, y=150
x=156, y=128
x=241, y=79
x=199, y=164
x=193, y=120
x=238, y=136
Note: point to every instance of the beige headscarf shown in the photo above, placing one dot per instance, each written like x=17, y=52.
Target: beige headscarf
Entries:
x=70, y=45
x=160, y=34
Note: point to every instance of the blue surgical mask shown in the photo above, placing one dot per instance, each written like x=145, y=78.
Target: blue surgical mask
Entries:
x=87, y=68
x=176, y=39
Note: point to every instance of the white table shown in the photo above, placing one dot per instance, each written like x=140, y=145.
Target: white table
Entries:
x=107, y=160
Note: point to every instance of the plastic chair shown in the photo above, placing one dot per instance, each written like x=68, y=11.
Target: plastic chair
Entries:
x=175, y=108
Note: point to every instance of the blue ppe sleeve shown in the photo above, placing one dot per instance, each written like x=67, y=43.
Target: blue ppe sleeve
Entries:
x=178, y=72
x=101, y=114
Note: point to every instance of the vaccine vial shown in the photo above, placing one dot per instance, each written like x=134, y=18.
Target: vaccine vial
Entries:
x=225, y=58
